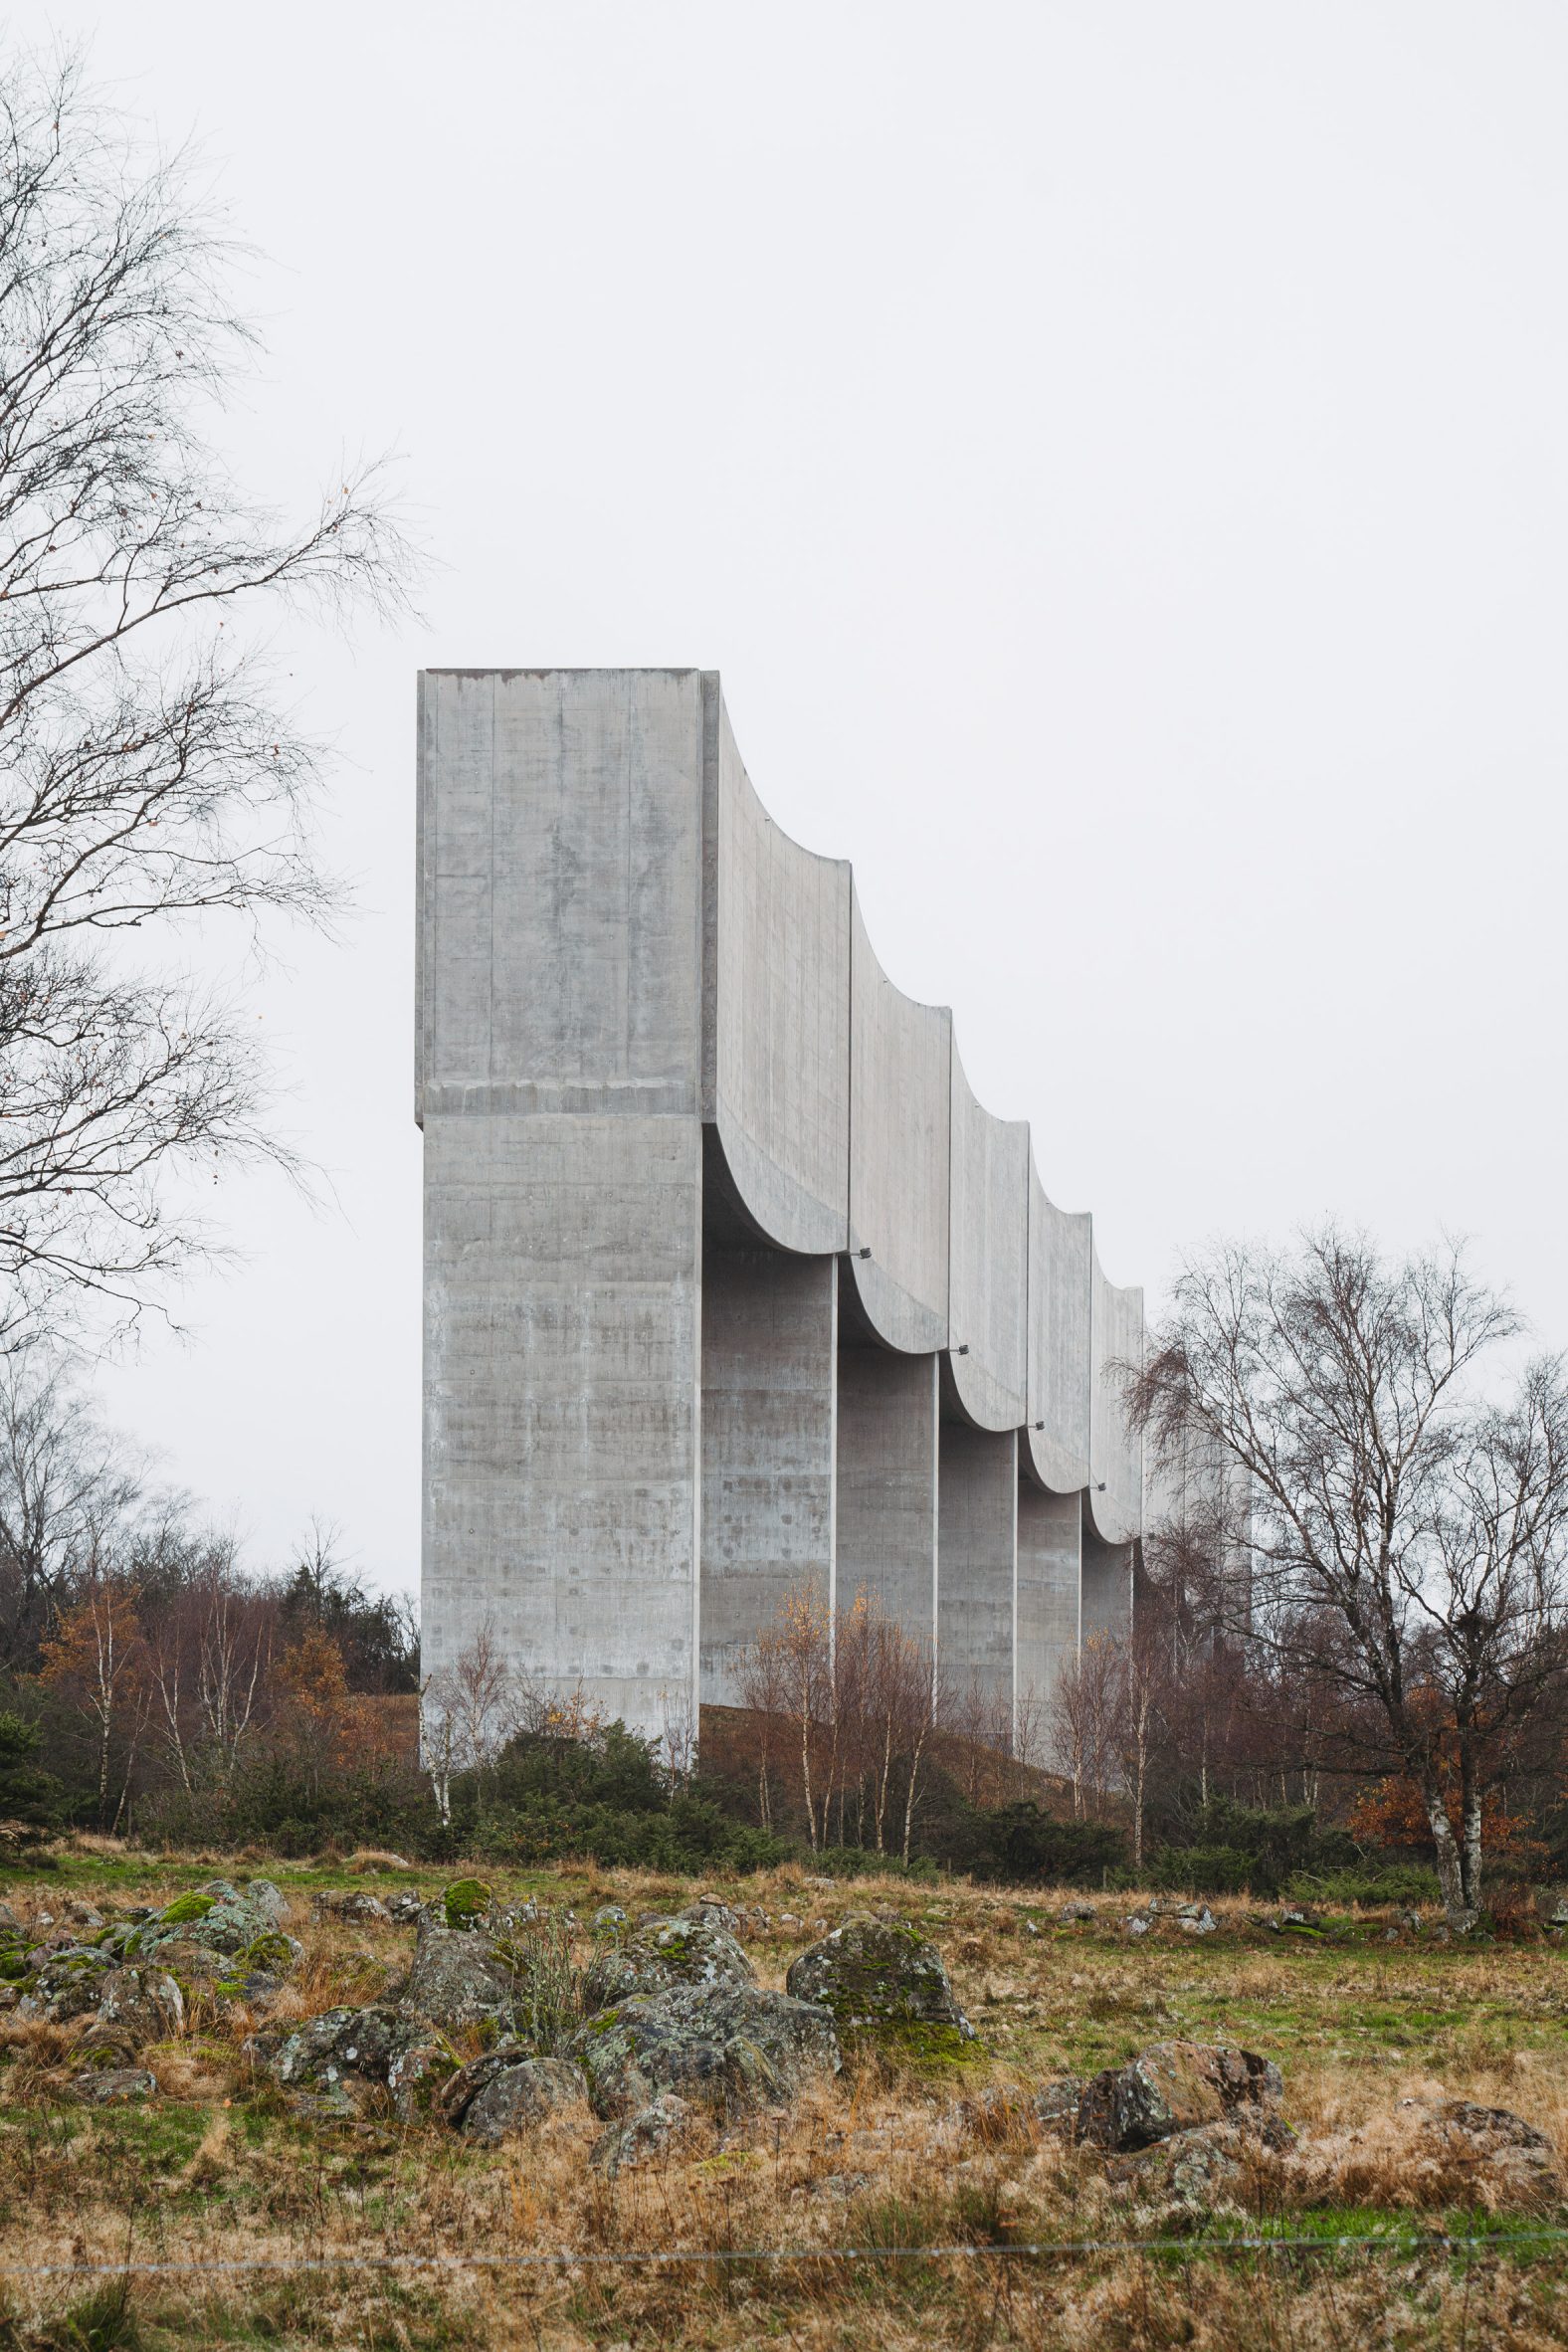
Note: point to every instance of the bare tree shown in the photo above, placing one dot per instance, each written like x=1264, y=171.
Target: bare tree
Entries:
x=469, y=1710
x=150, y=776
x=1081, y=1718
x=64, y=1483
x=1405, y=1537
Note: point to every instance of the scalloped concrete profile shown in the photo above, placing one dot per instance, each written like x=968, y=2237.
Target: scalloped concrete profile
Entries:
x=730, y=1281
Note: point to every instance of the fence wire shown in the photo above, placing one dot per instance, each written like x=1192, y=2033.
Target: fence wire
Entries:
x=1191, y=2249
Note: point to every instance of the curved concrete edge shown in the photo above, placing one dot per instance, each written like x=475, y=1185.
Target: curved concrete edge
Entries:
x=1061, y=1343
x=900, y=1076
x=781, y=1017
x=988, y=1261
x=1115, y=1501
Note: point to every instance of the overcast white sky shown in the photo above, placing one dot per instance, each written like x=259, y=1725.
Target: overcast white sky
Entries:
x=1117, y=457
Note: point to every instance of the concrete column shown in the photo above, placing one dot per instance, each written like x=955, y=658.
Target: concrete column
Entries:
x=977, y=1563
x=1108, y=1586
x=770, y=1343
x=561, y=1308
x=887, y=1482
x=1048, y=1565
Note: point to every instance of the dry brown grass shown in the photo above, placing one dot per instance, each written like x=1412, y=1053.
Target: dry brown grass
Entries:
x=889, y=2154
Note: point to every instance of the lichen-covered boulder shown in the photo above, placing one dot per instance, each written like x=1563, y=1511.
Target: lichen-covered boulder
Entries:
x=349, y=1902
x=113, y=2086
x=1180, y=2087
x=684, y=1950
x=730, y=2047
x=464, y=1904
x=459, y=1979
x=327, y=2055
x=648, y=2132
x=879, y=1976
x=139, y=2003
x=66, y=1983
x=518, y=2097
x=1184, y=2179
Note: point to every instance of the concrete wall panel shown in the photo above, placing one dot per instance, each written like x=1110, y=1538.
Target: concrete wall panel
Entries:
x=1115, y=1493
x=1061, y=1335
x=977, y=1565
x=887, y=1483
x=562, y=1261
x=781, y=1017
x=770, y=1337
x=1106, y=1586
x=1050, y=1561
x=901, y=1077
x=561, y=844
x=988, y=1277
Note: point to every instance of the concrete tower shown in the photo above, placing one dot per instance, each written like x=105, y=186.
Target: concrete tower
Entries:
x=730, y=1281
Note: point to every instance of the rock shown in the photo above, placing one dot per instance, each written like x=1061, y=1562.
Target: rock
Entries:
x=190, y=1963
x=647, y=2134
x=1179, y=2086
x=368, y=2045
x=714, y=1913
x=457, y=1980
x=460, y=2088
x=1295, y=1922
x=609, y=1919
x=110, y=2086
x=519, y=2095
x=1199, y=1920
x=1029, y=1927
x=877, y=1976
x=733, y=2046
x=349, y=1902
x=1551, y=1907
x=1071, y=1912
x=661, y=1952
x=1055, y=2106
x=1138, y=1924
x=1187, y=2176
x=404, y=1908
x=68, y=1983
x=415, y=2075
x=1435, y=2153
x=466, y=1902
x=246, y=1928
x=1410, y=1919
x=140, y=2004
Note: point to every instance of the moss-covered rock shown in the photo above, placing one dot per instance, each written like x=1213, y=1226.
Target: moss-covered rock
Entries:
x=185, y=1908
x=880, y=1977
x=459, y=1979
x=517, y=2097
x=682, y=1950
x=467, y=1902
x=730, y=2047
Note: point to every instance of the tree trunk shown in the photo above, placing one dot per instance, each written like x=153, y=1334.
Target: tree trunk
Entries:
x=1450, y=1869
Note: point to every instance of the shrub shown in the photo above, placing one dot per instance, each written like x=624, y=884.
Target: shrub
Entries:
x=1026, y=1846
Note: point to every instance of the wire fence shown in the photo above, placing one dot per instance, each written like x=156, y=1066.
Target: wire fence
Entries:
x=1409, y=2243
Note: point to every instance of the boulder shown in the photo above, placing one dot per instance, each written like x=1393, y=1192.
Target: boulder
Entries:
x=458, y=1978
x=1187, y=2177
x=1074, y=1912
x=139, y=2003
x=1433, y=2153
x=1551, y=1907
x=1196, y=1919
x=363, y=2045
x=349, y=1902
x=609, y=1919
x=517, y=2096
x=460, y=2088
x=415, y=2075
x=1056, y=2105
x=1179, y=2086
x=403, y=1910
x=659, y=1952
x=877, y=1976
x=112, y=2087
x=647, y=2134
x=1139, y=1924
x=67, y=1983
x=733, y=2046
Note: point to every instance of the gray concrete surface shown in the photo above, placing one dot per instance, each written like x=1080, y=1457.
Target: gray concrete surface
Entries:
x=887, y=1482
x=901, y=1078
x=1050, y=1561
x=977, y=1565
x=641, y=1425
x=770, y=1337
x=988, y=1261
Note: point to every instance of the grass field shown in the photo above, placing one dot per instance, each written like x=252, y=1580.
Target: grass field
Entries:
x=896, y=2154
